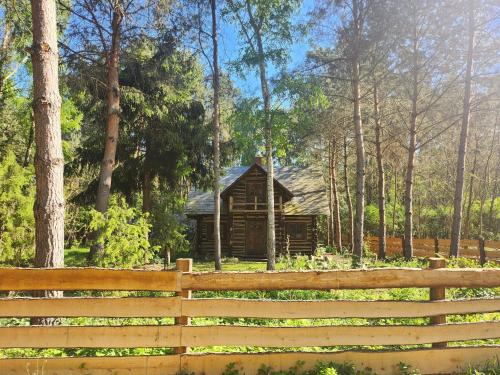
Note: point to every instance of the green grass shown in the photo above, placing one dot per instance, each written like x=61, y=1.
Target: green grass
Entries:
x=76, y=257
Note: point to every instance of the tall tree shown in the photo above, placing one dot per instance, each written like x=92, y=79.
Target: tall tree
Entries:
x=49, y=160
x=354, y=31
x=98, y=30
x=216, y=137
x=418, y=61
x=462, y=148
x=381, y=173
x=267, y=30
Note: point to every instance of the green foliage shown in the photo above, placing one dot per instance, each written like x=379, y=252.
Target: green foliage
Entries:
x=123, y=234
x=168, y=232
x=17, y=224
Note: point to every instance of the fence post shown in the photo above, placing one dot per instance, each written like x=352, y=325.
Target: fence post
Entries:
x=184, y=265
x=436, y=246
x=437, y=294
x=482, y=253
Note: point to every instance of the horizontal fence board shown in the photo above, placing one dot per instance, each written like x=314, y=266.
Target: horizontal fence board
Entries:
x=492, y=244
x=169, y=336
x=91, y=307
x=90, y=337
x=136, y=365
x=335, y=335
x=171, y=307
x=342, y=279
x=20, y=279
x=428, y=361
x=444, y=361
x=241, y=308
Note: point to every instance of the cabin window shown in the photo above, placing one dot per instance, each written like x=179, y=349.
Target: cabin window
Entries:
x=296, y=231
x=211, y=231
x=256, y=189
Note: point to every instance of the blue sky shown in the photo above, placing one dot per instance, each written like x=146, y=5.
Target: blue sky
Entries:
x=229, y=48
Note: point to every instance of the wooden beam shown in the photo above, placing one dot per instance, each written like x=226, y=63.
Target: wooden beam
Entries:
x=90, y=337
x=343, y=279
x=335, y=335
x=136, y=365
x=174, y=336
x=18, y=279
x=428, y=361
x=242, y=308
x=91, y=307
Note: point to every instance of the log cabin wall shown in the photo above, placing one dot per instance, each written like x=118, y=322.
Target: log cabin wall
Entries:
x=300, y=234
x=205, y=238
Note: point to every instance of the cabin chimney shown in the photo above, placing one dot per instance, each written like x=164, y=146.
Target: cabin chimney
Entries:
x=259, y=160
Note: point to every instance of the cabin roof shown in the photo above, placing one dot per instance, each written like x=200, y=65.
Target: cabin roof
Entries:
x=305, y=183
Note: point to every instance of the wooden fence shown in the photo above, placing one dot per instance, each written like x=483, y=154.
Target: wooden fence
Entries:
x=429, y=247
x=434, y=358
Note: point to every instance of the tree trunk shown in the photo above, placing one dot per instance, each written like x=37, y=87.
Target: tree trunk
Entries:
x=360, y=147
x=381, y=176
x=336, y=232
x=49, y=162
x=331, y=209
x=394, y=202
x=5, y=56
x=462, y=149
x=410, y=165
x=348, y=199
x=466, y=231
x=408, y=232
x=486, y=178
x=147, y=200
x=216, y=134
x=113, y=119
x=492, y=223
x=266, y=97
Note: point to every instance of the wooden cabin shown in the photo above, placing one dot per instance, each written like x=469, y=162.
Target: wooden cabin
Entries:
x=299, y=195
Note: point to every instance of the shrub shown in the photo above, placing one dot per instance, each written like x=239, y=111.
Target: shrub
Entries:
x=123, y=233
x=17, y=222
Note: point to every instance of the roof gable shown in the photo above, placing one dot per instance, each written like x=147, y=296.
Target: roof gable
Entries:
x=307, y=185
x=227, y=190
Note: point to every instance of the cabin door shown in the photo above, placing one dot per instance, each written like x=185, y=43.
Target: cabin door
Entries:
x=256, y=238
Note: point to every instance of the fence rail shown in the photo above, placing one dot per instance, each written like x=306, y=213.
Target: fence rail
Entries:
x=483, y=250
x=182, y=307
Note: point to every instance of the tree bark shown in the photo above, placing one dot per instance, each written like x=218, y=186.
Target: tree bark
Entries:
x=492, y=222
x=381, y=175
x=348, y=199
x=462, y=149
x=331, y=219
x=412, y=145
x=216, y=140
x=336, y=226
x=358, y=126
x=147, y=200
x=394, y=202
x=49, y=160
x=486, y=178
x=466, y=231
x=5, y=56
x=113, y=118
